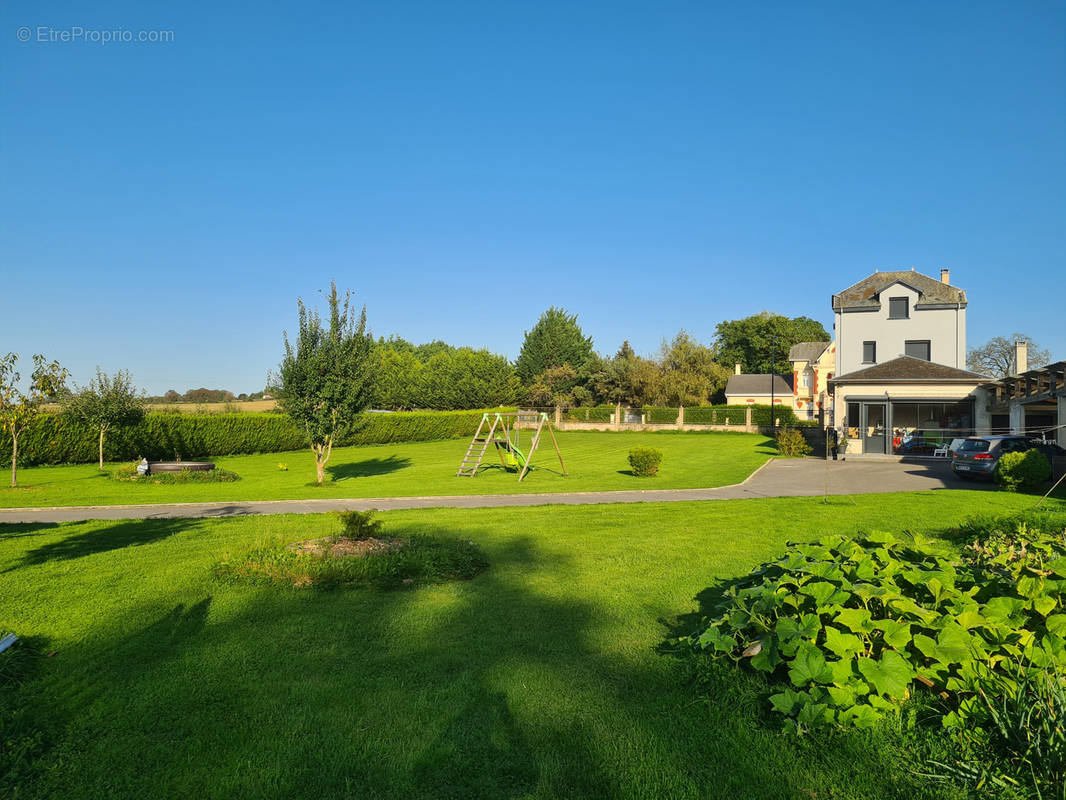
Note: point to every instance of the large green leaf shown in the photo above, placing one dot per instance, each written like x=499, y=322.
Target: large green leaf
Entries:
x=842, y=644
x=896, y=634
x=890, y=675
x=1003, y=609
x=809, y=667
x=1058, y=566
x=785, y=702
x=820, y=591
x=855, y=619
x=953, y=644
x=1056, y=624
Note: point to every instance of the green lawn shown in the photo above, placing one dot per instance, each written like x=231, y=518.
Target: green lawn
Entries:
x=539, y=678
x=594, y=461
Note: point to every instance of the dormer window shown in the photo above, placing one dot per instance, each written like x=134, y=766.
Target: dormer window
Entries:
x=897, y=308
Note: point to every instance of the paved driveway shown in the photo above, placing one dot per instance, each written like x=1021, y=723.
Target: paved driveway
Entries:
x=777, y=478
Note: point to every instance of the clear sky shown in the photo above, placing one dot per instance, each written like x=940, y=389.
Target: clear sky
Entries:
x=649, y=166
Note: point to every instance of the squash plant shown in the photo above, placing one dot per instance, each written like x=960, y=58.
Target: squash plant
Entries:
x=853, y=626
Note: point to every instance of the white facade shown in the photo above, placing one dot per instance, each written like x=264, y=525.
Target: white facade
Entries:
x=942, y=325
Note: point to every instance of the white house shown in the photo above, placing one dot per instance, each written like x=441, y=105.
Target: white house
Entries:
x=900, y=382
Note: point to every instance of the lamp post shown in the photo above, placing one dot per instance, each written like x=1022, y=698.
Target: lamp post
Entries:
x=773, y=355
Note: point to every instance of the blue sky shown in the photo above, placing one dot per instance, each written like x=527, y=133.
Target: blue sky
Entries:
x=650, y=166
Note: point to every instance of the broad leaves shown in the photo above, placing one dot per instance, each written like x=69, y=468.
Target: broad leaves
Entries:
x=850, y=623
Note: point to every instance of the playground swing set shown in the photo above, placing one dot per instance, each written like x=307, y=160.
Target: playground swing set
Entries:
x=501, y=430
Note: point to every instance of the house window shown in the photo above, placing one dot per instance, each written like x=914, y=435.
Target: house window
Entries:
x=917, y=349
x=852, y=418
x=897, y=308
x=869, y=352
x=806, y=379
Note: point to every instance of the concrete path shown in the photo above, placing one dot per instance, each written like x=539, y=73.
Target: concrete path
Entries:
x=777, y=478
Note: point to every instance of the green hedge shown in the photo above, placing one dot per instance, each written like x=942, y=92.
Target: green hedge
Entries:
x=589, y=414
x=659, y=415
x=55, y=439
x=719, y=415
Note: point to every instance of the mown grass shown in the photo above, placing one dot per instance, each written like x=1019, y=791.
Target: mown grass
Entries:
x=594, y=461
x=542, y=677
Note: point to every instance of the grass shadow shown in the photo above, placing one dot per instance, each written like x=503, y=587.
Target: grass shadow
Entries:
x=368, y=468
x=14, y=530
x=100, y=539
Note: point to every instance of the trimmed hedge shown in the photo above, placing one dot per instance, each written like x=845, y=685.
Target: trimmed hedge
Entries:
x=55, y=439
x=589, y=414
x=720, y=415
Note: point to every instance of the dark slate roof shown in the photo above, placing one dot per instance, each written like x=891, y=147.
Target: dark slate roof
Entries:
x=807, y=351
x=758, y=384
x=866, y=293
x=907, y=369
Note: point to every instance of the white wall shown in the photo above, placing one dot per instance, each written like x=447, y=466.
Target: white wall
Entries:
x=945, y=328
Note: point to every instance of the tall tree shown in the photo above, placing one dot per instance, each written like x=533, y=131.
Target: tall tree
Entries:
x=106, y=402
x=752, y=341
x=690, y=375
x=19, y=409
x=555, y=340
x=325, y=379
x=995, y=357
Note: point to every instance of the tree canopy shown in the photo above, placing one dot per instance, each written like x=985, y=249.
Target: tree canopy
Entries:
x=995, y=357
x=17, y=408
x=325, y=379
x=106, y=402
x=750, y=341
x=555, y=340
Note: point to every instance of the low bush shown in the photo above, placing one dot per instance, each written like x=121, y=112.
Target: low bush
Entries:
x=128, y=472
x=360, y=525
x=1026, y=470
x=790, y=443
x=417, y=559
x=645, y=461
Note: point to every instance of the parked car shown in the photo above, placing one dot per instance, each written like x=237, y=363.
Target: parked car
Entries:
x=977, y=456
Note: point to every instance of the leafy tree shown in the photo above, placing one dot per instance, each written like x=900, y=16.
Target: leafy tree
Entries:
x=426, y=351
x=553, y=387
x=107, y=402
x=996, y=356
x=467, y=378
x=18, y=409
x=690, y=375
x=555, y=340
x=171, y=397
x=751, y=340
x=397, y=378
x=325, y=378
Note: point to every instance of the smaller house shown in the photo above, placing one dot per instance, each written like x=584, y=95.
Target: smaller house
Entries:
x=813, y=364
x=744, y=389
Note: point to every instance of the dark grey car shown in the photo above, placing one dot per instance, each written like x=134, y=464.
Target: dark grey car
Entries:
x=976, y=457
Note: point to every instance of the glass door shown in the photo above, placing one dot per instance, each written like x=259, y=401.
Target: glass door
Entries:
x=873, y=427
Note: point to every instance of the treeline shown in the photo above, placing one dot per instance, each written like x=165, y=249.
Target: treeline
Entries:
x=203, y=395
x=558, y=365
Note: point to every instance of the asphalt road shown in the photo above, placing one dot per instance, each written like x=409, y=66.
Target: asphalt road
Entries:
x=807, y=477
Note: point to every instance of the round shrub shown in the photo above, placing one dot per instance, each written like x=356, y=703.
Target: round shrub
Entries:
x=645, y=461
x=790, y=442
x=1026, y=470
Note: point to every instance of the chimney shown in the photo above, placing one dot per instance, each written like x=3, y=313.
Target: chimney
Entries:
x=736, y=369
x=1021, y=356
x=945, y=276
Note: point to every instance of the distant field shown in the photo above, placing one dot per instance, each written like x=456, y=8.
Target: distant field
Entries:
x=216, y=408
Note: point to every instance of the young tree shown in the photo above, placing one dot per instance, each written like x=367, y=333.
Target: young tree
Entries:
x=754, y=340
x=996, y=356
x=555, y=340
x=325, y=379
x=107, y=402
x=18, y=410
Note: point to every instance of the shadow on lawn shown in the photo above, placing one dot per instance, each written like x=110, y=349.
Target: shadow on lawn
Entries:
x=95, y=536
x=14, y=530
x=368, y=468
x=499, y=687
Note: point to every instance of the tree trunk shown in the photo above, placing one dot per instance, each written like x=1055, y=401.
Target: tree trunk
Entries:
x=14, y=462
x=102, y=449
x=320, y=466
